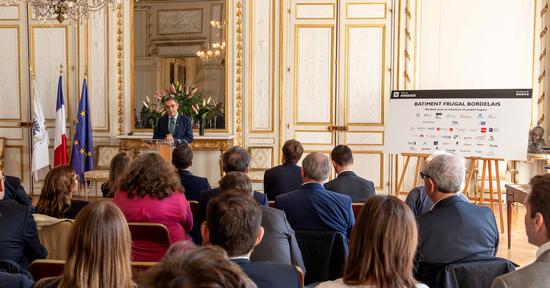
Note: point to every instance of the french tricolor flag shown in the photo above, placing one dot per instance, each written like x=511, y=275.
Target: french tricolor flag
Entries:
x=60, y=143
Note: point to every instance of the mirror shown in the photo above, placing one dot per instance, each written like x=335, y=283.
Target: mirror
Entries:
x=183, y=42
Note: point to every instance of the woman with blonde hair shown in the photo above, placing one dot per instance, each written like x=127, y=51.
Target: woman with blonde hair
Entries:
x=382, y=247
x=99, y=250
x=119, y=165
x=150, y=192
x=57, y=193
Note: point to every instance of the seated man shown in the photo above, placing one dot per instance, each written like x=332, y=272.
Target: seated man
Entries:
x=288, y=176
x=234, y=159
x=19, y=240
x=15, y=191
x=233, y=223
x=347, y=182
x=182, y=158
x=454, y=230
x=279, y=243
x=420, y=203
x=537, y=228
x=314, y=208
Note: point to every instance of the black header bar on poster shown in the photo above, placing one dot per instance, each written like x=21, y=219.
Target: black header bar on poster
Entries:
x=462, y=94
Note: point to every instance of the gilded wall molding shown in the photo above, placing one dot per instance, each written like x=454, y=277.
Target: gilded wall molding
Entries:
x=120, y=66
x=239, y=73
x=542, y=63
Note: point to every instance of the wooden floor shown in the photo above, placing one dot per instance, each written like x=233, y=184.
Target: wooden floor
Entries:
x=521, y=252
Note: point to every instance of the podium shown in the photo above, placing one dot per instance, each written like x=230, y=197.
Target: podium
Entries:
x=162, y=147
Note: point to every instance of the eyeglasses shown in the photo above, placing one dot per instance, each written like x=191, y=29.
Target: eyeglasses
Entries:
x=424, y=176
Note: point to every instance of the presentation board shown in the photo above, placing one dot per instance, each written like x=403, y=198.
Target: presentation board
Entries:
x=477, y=123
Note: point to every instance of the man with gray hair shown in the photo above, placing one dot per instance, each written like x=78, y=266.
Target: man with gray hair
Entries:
x=312, y=207
x=453, y=230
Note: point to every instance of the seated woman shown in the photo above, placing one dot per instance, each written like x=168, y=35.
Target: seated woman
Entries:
x=150, y=192
x=188, y=266
x=101, y=231
x=382, y=247
x=56, y=195
x=119, y=165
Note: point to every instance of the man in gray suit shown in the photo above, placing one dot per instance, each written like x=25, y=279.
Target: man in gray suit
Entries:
x=347, y=182
x=537, y=228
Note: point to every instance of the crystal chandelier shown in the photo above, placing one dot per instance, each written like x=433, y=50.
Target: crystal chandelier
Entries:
x=73, y=10
x=215, y=52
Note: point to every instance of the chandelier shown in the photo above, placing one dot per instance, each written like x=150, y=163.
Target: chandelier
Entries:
x=73, y=10
x=214, y=52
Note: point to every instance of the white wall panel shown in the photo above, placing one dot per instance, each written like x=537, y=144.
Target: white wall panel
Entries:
x=314, y=137
x=366, y=10
x=371, y=168
x=14, y=133
x=13, y=161
x=98, y=72
x=315, y=11
x=364, y=138
x=9, y=12
x=10, y=85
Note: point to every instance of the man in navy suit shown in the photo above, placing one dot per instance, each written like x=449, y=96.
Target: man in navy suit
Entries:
x=15, y=191
x=234, y=223
x=453, y=230
x=288, y=176
x=313, y=207
x=172, y=127
x=182, y=158
x=347, y=182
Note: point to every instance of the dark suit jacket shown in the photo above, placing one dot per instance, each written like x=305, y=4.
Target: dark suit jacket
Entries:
x=314, y=208
x=16, y=191
x=348, y=183
x=19, y=240
x=420, y=203
x=270, y=274
x=76, y=206
x=455, y=230
x=193, y=185
x=281, y=179
x=183, y=131
x=10, y=280
x=279, y=243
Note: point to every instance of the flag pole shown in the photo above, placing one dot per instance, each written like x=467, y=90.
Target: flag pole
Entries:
x=31, y=76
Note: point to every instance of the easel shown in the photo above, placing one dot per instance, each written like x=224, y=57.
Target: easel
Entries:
x=420, y=158
x=486, y=164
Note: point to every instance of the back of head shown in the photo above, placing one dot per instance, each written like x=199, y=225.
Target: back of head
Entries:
x=151, y=175
x=292, y=151
x=233, y=221
x=447, y=171
x=235, y=159
x=316, y=166
x=539, y=199
x=182, y=156
x=236, y=181
x=119, y=166
x=55, y=197
x=99, y=248
x=382, y=245
x=205, y=266
x=342, y=155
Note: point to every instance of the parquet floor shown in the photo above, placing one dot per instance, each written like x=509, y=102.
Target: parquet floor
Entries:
x=521, y=252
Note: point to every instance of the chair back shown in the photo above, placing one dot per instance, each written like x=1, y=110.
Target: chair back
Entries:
x=149, y=241
x=356, y=208
x=324, y=254
x=194, y=205
x=44, y=268
x=105, y=154
x=55, y=238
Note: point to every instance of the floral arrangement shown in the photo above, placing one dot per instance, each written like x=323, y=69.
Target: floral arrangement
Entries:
x=206, y=110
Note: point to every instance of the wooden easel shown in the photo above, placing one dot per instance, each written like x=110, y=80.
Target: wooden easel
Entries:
x=420, y=158
x=486, y=166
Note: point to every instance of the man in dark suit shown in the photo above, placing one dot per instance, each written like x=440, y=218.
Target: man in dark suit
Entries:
x=233, y=223
x=15, y=191
x=172, y=127
x=19, y=240
x=182, y=158
x=288, y=176
x=314, y=208
x=454, y=230
x=347, y=182
x=420, y=203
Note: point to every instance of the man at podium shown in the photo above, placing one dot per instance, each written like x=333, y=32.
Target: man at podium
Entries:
x=173, y=127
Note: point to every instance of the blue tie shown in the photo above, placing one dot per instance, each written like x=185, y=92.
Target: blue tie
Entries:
x=172, y=126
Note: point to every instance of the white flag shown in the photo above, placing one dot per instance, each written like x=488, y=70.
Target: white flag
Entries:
x=40, y=152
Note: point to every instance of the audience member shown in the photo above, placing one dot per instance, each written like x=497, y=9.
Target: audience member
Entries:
x=279, y=242
x=15, y=191
x=382, y=248
x=312, y=207
x=19, y=240
x=119, y=165
x=234, y=159
x=199, y=267
x=98, y=251
x=150, y=192
x=454, y=230
x=537, y=228
x=420, y=203
x=182, y=158
x=56, y=196
x=288, y=176
x=233, y=222
x=347, y=182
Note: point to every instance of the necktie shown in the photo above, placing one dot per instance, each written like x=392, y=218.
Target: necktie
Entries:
x=172, y=126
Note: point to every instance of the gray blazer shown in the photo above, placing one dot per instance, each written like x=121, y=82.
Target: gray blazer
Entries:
x=534, y=275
